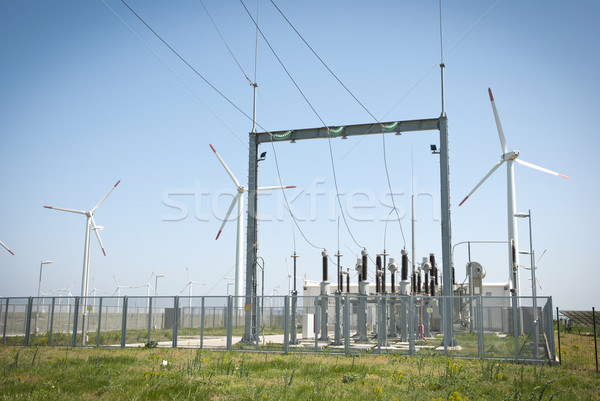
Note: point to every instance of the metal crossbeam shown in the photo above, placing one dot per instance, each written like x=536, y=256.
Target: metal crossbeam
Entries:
x=348, y=130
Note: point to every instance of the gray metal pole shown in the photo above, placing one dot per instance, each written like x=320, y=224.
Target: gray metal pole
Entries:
x=123, y=322
x=251, y=245
x=533, y=294
x=446, y=229
x=99, y=320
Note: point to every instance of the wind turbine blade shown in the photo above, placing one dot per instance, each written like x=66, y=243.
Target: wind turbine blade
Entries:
x=272, y=188
x=498, y=124
x=545, y=170
x=65, y=210
x=95, y=228
x=5, y=247
x=540, y=258
x=235, y=181
x=233, y=203
x=482, y=180
x=116, y=282
x=105, y=196
x=186, y=286
x=189, y=277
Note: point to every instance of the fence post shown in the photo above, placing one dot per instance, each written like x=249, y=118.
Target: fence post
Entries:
x=379, y=324
x=5, y=321
x=515, y=326
x=51, y=321
x=294, y=325
x=286, y=324
x=317, y=320
x=558, y=332
x=150, y=299
x=595, y=338
x=99, y=320
x=202, y=323
x=28, y=320
x=75, y=322
x=124, y=322
x=411, y=326
x=347, y=324
x=259, y=303
x=175, y=319
x=337, y=332
x=479, y=321
x=229, y=321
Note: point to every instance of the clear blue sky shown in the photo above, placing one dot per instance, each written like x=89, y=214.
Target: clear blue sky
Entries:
x=85, y=102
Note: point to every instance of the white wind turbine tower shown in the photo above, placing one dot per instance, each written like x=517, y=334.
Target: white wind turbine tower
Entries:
x=118, y=290
x=89, y=225
x=239, y=199
x=190, y=285
x=509, y=158
x=5, y=247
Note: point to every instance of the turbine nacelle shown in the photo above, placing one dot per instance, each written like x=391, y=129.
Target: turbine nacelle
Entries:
x=512, y=155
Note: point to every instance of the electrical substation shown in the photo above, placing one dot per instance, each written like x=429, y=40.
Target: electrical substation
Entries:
x=394, y=303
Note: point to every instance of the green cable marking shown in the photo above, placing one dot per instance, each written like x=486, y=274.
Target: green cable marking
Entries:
x=281, y=137
x=336, y=131
x=390, y=127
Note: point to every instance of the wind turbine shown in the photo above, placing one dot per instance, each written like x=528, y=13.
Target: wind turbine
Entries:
x=190, y=285
x=239, y=199
x=118, y=290
x=510, y=158
x=5, y=247
x=89, y=225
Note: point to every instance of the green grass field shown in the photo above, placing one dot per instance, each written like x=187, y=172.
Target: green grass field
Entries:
x=59, y=373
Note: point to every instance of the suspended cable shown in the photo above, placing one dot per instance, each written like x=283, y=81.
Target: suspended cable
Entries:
x=219, y=281
x=282, y=65
x=387, y=174
x=314, y=111
x=323, y=62
x=364, y=108
x=287, y=204
x=337, y=193
x=418, y=81
x=186, y=63
x=181, y=80
x=225, y=43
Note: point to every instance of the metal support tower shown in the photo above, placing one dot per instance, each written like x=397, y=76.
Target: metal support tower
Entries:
x=439, y=123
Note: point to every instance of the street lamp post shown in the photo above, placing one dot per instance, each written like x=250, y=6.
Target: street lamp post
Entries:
x=156, y=283
x=533, y=284
x=37, y=313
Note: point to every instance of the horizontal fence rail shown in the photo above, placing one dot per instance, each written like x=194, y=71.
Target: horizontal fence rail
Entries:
x=483, y=326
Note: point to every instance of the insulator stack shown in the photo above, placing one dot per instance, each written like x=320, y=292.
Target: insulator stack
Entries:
x=364, y=255
x=359, y=269
x=324, y=254
x=404, y=271
x=348, y=281
x=378, y=274
x=392, y=267
x=434, y=269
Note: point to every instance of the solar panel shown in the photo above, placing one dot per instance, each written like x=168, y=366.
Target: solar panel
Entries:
x=581, y=318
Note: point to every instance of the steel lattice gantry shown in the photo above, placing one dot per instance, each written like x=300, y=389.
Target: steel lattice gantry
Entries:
x=256, y=138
